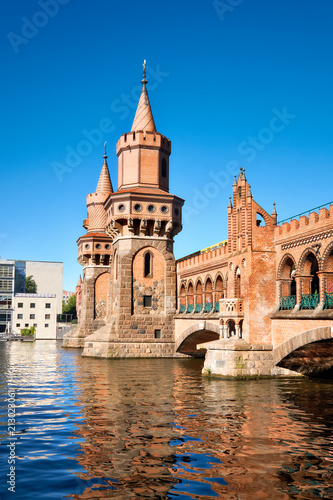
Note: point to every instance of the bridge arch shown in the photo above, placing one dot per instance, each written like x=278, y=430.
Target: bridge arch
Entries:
x=199, y=333
x=310, y=352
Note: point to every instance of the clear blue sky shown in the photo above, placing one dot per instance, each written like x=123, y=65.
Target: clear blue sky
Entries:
x=218, y=77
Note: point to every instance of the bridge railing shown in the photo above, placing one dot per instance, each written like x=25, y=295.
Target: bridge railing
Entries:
x=287, y=302
x=309, y=301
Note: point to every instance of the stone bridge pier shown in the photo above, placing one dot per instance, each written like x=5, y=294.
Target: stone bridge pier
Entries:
x=309, y=353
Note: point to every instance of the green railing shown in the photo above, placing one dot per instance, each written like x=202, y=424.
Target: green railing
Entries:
x=309, y=301
x=288, y=302
x=328, y=301
x=198, y=308
x=182, y=308
x=308, y=212
x=190, y=308
x=217, y=307
x=208, y=307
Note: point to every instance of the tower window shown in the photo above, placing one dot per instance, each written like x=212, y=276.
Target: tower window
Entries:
x=164, y=168
x=147, y=265
x=151, y=208
x=157, y=334
x=147, y=300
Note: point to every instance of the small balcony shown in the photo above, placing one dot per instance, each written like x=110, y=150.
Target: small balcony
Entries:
x=231, y=308
x=309, y=301
x=287, y=303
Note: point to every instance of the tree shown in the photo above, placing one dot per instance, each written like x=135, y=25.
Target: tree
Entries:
x=30, y=285
x=70, y=308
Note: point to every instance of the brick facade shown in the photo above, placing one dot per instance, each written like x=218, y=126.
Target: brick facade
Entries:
x=263, y=285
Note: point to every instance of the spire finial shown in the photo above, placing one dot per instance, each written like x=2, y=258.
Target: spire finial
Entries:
x=105, y=155
x=144, y=81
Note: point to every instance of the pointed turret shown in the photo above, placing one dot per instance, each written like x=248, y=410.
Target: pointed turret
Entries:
x=104, y=183
x=143, y=119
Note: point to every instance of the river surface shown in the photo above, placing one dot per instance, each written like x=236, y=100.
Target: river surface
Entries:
x=155, y=428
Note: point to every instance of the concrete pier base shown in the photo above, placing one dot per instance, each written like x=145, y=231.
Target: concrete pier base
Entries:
x=74, y=339
x=235, y=358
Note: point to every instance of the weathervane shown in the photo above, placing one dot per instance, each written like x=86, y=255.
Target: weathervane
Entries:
x=144, y=71
x=105, y=156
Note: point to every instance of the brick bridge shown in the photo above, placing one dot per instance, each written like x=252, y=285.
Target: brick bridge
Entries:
x=261, y=302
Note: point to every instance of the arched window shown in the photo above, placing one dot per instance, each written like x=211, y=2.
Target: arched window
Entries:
x=164, y=168
x=147, y=265
x=260, y=220
x=238, y=286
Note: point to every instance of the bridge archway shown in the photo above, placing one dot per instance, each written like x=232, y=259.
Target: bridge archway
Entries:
x=309, y=353
x=198, y=333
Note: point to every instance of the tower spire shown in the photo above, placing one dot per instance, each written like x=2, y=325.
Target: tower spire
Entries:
x=143, y=119
x=104, y=183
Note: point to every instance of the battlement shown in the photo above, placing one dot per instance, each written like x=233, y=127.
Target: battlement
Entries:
x=143, y=138
x=313, y=220
x=94, y=198
x=203, y=256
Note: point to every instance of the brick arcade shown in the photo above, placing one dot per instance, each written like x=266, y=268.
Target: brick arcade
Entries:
x=257, y=304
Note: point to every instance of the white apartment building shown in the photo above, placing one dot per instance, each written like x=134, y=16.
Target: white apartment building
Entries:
x=38, y=310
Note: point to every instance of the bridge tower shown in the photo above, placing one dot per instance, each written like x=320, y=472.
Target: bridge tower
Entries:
x=142, y=218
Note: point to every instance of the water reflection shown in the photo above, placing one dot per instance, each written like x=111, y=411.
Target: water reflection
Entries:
x=132, y=429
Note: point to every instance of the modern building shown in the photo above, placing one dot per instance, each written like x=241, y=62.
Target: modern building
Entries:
x=13, y=273
x=258, y=303
x=65, y=296
x=7, y=280
x=38, y=310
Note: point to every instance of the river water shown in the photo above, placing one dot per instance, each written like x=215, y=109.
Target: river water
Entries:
x=155, y=428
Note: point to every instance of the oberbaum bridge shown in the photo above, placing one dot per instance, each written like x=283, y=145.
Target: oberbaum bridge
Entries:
x=258, y=304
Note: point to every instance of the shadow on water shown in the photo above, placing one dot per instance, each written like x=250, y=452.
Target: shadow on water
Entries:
x=155, y=428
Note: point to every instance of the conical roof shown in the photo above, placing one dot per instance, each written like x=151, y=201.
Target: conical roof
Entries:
x=104, y=183
x=143, y=119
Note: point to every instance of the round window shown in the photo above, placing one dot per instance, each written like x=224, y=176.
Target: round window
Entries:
x=107, y=247
x=164, y=209
x=137, y=207
x=121, y=208
x=151, y=208
x=86, y=246
x=98, y=246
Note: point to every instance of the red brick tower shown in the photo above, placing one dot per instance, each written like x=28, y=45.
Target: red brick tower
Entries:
x=95, y=255
x=142, y=218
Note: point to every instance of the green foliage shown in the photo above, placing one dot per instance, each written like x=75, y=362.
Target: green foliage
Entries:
x=30, y=285
x=74, y=321
x=70, y=308
x=28, y=332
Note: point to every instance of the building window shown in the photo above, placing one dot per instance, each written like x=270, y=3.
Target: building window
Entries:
x=147, y=266
x=32, y=305
x=157, y=334
x=35, y=325
x=147, y=300
x=48, y=305
x=20, y=316
x=20, y=304
x=32, y=316
x=27, y=325
x=164, y=168
x=46, y=325
x=18, y=325
x=47, y=316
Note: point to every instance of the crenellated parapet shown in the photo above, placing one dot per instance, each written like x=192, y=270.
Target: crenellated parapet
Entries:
x=296, y=228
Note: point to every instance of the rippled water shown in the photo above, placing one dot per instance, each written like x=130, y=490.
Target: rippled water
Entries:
x=140, y=428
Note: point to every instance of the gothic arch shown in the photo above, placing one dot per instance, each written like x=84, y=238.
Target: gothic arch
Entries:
x=326, y=257
x=303, y=258
x=208, y=277
x=263, y=214
x=188, y=284
x=218, y=275
x=282, y=264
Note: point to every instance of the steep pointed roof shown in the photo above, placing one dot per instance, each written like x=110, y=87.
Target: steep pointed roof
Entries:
x=104, y=183
x=143, y=119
